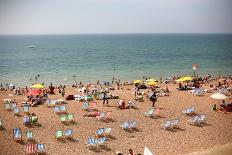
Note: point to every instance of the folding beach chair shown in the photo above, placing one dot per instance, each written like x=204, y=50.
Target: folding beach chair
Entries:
x=131, y=104
x=29, y=135
x=59, y=134
x=70, y=118
x=40, y=148
x=91, y=142
x=16, y=111
x=149, y=113
x=68, y=133
x=30, y=149
x=7, y=106
x=132, y=124
x=26, y=108
x=101, y=141
x=56, y=109
x=34, y=120
x=100, y=132
x=201, y=119
x=167, y=125
x=174, y=123
x=85, y=106
x=193, y=120
x=26, y=120
x=125, y=125
x=188, y=111
x=17, y=136
x=63, y=118
x=101, y=116
x=13, y=105
x=62, y=109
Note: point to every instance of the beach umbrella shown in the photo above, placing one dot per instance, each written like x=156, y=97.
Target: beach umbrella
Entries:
x=152, y=83
x=34, y=92
x=137, y=81
x=37, y=86
x=151, y=80
x=218, y=96
x=186, y=78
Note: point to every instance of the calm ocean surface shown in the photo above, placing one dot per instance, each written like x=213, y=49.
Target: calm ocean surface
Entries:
x=57, y=58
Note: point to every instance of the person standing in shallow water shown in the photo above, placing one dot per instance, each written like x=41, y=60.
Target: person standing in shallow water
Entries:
x=63, y=92
x=105, y=99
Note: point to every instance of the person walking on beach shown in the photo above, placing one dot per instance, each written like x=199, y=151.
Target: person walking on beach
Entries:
x=153, y=99
x=63, y=92
x=105, y=99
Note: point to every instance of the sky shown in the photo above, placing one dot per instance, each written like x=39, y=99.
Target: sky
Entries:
x=115, y=16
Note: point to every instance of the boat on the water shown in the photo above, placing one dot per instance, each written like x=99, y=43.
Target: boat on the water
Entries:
x=31, y=46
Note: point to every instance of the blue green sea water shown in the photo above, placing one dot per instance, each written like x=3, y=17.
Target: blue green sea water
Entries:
x=68, y=59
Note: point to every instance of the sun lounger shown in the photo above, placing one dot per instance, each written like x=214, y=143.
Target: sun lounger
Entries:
x=40, y=148
x=149, y=113
x=7, y=106
x=17, y=136
x=16, y=111
x=85, y=106
x=193, y=120
x=188, y=111
x=59, y=134
x=30, y=148
x=29, y=135
x=167, y=125
x=26, y=120
x=68, y=133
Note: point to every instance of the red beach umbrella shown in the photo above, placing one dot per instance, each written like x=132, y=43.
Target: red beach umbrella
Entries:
x=34, y=92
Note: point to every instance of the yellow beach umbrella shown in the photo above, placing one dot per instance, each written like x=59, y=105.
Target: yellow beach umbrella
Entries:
x=137, y=81
x=186, y=78
x=37, y=86
x=152, y=83
x=151, y=80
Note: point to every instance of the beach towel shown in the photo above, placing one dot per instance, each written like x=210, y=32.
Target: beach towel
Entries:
x=147, y=151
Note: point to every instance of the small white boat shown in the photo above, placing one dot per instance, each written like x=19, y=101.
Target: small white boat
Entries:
x=31, y=46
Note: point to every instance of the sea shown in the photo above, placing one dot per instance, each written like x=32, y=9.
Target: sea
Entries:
x=68, y=59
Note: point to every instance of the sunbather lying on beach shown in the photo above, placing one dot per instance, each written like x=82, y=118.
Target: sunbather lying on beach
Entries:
x=92, y=114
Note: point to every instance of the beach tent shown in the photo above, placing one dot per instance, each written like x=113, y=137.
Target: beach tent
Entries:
x=137, y=81
x=186, y=78
x=219, y=96
x=34, y=92
x=37, y=86
x=147, y=151
x=151, y=80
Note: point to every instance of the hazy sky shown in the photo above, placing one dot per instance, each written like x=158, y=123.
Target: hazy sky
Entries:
x=115, y=16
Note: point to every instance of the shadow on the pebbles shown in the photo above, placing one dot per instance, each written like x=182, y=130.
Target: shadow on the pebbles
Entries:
x=203, y=125
x=71, y=139
x=21, y=142
x=133, y=130
x=2, y=129
x=111, y=137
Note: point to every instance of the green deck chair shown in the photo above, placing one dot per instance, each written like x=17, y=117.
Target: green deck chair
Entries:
x=59, y=134
x=29, y=135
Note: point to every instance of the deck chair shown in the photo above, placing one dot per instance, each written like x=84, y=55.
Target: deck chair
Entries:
x=62, y=109
x=193, y=120
x=63, y=118
x=7, y=106
x=34, y=119
x=26, y=108
x=132, y=124
x=107, y=131
x=188, y=111
x=101, y=116
x=56, y=110
x=59, y=134
x=100, y=132
x=26, y=120
x=101, y=141
x=201, y=119
x=174, y=123
x=29, y=135
x=16, y=111
x=1, y=124
x=68, y=133
x=91, y=142
x=149, y=113
x=85, y=106
x=13, y=105
x=70, y=117
x=125, y=125
x=30, y=149
x=17, y=136
x=167, y=125
x=108, y=116
x=131, y=104
x=40, y=148
x=50, y=103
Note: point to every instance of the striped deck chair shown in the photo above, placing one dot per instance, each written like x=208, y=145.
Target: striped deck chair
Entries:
x=40, y=148
x=62, y=109
x=166, y=125
x=58, y=134
x=107, y=131
x=85, y=106
x=100, y=132
x=201, y=119
x=149, y=113
x=17, y=136
x=174, y=123
x=56, y=109
x=13, y=105
x=101, y=116
x=29, y=135
x=7, y=106
x=30, y=149
x=16, y=111
x=63, y=118
x=193, y=120
x=34, y=120
x=125, y=125
x=26, y=108
x=68, y=133
x=70, y=117
x=26, y=120
x=101, y=141
x=188, y=111
x=91, y=142
x=132, y=124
